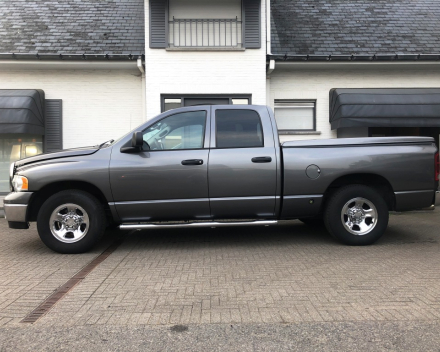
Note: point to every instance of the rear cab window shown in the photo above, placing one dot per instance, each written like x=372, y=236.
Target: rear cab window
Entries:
x=238, y=129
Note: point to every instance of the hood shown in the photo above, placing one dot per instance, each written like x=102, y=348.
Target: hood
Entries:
x=56, y=155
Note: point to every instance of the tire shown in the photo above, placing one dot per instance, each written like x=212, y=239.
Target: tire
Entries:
x=356, y=215
x=71, y=221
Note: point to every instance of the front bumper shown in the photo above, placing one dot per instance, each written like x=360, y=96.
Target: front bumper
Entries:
x=16, y=209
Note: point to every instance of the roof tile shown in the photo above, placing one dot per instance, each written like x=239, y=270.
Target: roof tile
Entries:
x=309, y=27
x=59, y=27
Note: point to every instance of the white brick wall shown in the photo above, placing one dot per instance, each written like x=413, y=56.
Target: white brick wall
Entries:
x=313, y=81
x=204, y=72
x=98, y=105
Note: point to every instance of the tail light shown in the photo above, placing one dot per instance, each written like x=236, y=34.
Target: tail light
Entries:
x=437, y=167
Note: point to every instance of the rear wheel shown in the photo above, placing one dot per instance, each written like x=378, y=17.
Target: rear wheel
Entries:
x=356, y=215
x=71, y=221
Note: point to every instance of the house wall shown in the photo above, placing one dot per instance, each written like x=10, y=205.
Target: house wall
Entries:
x=314, y=81
x=204, y=72
x=98, y=105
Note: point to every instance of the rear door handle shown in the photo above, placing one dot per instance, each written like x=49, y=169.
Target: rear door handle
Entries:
x=192, y=162
x=262, y=159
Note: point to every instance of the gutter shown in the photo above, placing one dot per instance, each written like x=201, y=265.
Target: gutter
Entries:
x=70, y=57
x=353, y=58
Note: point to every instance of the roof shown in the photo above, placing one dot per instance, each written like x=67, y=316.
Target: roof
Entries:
x=72, y=27
x=355, y=27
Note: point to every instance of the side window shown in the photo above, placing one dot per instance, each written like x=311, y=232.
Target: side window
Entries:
x=238, y=129
x=180, y=131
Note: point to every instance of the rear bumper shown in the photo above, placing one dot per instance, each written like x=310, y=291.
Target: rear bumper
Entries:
x=437, y=198
x=414, y=200
x=16, y=209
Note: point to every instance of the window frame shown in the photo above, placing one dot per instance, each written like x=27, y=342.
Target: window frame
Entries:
x=201, y=96
x=293, y=101
x=177, y=113
x=215, y=129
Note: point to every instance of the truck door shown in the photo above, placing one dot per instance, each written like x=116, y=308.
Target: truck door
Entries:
x=168, y=181
x=242, y=164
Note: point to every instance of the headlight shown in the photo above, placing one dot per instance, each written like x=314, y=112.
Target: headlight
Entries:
x=11, y=175
x=20, y=183
x=11, y=170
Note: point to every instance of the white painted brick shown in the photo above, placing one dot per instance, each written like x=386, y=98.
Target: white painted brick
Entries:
x=98, y=105
x=310, y=81
x=204, y=72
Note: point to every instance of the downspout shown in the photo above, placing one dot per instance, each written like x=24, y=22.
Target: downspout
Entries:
x=140, y=65
x=268, y=34
x=141, y=68
x=271, y=67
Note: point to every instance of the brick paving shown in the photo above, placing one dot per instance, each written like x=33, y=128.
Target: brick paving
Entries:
x=284, y=274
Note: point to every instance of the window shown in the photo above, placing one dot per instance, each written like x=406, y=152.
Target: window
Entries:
x=238, y=101
x=14, y=147
x=232, y=24
x=238, y=129
x=295, y=115
x=179, y=131
x=173, y=101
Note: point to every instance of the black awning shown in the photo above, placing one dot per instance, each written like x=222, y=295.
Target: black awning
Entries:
x=385, y=107
x=22, y=111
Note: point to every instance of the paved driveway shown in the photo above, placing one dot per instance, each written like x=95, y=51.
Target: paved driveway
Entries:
x=288, y=274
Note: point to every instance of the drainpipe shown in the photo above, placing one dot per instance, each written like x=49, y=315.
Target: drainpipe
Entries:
x=144, y=98
x=140, y=65
x=268, y=36
x=271, y=67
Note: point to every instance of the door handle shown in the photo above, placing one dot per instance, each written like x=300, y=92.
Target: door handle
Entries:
x=262, y=159
x=192, y=162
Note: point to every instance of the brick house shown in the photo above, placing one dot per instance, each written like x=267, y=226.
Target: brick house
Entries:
x=100, y=68
x=71, y=75
x=380, y=57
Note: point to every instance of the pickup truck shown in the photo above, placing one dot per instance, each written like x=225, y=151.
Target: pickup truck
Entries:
x=220, y=166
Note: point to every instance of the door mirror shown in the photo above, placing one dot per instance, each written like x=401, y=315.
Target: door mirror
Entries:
x=137, y=142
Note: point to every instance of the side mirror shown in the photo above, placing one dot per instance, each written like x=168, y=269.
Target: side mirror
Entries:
x=137, y=140
x=137, y=143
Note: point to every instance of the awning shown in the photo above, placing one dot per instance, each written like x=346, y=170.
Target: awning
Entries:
x=22, y=111
x=384, y=107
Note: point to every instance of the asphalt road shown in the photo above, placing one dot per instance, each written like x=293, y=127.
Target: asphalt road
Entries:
x=348, y=336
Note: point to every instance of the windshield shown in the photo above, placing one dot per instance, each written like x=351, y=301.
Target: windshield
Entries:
x=125, y=135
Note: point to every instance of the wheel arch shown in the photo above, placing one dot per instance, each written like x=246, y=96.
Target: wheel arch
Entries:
x=47, y=191
x=378, y=182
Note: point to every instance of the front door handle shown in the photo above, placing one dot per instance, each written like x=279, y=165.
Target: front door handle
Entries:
x=262, y=159
x=192, y=162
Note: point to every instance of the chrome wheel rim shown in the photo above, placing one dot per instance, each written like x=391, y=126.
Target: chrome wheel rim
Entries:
x=69, y=223
x=359, y=216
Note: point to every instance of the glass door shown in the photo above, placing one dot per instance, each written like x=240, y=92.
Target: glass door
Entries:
x=14, y=147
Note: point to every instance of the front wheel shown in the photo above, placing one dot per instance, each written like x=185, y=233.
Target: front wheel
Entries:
x=71, y=221
x=356, y=215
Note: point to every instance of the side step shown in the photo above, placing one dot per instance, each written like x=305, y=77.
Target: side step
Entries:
x=196, y=224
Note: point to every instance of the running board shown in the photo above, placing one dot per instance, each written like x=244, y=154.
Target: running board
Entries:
x=196, y=224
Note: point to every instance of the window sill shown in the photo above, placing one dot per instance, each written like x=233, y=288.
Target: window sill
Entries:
x=299, y=132
x=204, y=48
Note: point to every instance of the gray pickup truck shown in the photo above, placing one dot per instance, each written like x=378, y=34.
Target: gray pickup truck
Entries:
x=220, y=166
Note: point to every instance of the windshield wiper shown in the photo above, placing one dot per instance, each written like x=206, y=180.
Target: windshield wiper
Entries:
x=108, y=142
